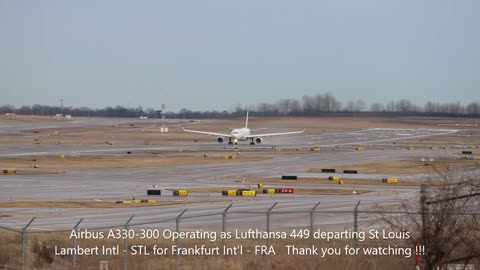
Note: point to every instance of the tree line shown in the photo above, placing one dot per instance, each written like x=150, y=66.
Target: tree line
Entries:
x=317, y=105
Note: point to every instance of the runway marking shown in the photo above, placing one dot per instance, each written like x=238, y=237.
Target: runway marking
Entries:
x=397, y=138
x=87, y=151
x=35, y=228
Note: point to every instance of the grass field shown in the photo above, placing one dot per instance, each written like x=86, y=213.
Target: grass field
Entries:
x=297, y=191
x=324, y=181
x=41, y=254
x=123, y=161
x=407, y=166
x=92, y=204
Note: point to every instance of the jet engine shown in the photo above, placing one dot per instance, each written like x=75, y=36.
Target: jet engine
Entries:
x=258, y=140
x=220, y=140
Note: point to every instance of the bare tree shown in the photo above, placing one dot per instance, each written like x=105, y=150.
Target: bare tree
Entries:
x=391, y=106
x=404, y=105
x=446, y=221
x=287, y=106
x=430, y=107
x=377, y=107
x=473, y=108
x=355, y=106
x=332, y=103
x=308, y=104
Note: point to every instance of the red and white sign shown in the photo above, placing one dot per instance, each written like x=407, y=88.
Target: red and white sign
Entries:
x=103, y=265
x=286, y=190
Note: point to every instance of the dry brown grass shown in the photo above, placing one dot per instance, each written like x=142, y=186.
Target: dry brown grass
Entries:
x=40, y=254
x=123, y=161
x=35, y=172
x=460, y=139
x=325, y=181
x=93, y=204
x=297, y=191
x=406, y=166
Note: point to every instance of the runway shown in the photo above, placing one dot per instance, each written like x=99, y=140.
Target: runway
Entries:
x=360, y=137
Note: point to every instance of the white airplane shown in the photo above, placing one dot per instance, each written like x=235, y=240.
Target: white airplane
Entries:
x=241, y=134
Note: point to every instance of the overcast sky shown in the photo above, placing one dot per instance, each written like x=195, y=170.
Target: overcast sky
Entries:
x=209, y=55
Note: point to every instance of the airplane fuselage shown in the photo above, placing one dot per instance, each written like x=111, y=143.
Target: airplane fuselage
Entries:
x=240, y=134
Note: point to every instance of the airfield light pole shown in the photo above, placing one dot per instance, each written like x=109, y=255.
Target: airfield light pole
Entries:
x=177, y=221
x=75, y=243
x=163, y=111
x=127, y=226
x=24, y=242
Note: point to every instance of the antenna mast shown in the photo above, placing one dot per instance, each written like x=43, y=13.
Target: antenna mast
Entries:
x=163, y=112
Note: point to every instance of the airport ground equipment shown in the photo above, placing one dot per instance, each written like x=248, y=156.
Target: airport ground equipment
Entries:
x=390, y=180
x=9, y=171
x=248, y=193
x=269, y=191
x=230, y=192
x=180, y=192
x=154, y=192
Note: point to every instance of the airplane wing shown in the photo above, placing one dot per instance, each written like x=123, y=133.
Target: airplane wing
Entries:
x=206, y=132
x=275, y=134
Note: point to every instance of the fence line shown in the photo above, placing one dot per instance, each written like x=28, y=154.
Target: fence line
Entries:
x=224, y=213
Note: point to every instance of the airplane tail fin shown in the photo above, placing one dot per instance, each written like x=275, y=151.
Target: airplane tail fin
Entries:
x=246, y=121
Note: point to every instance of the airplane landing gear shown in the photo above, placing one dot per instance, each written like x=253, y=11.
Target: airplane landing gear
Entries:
x=252, y=142
x=230, y=141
